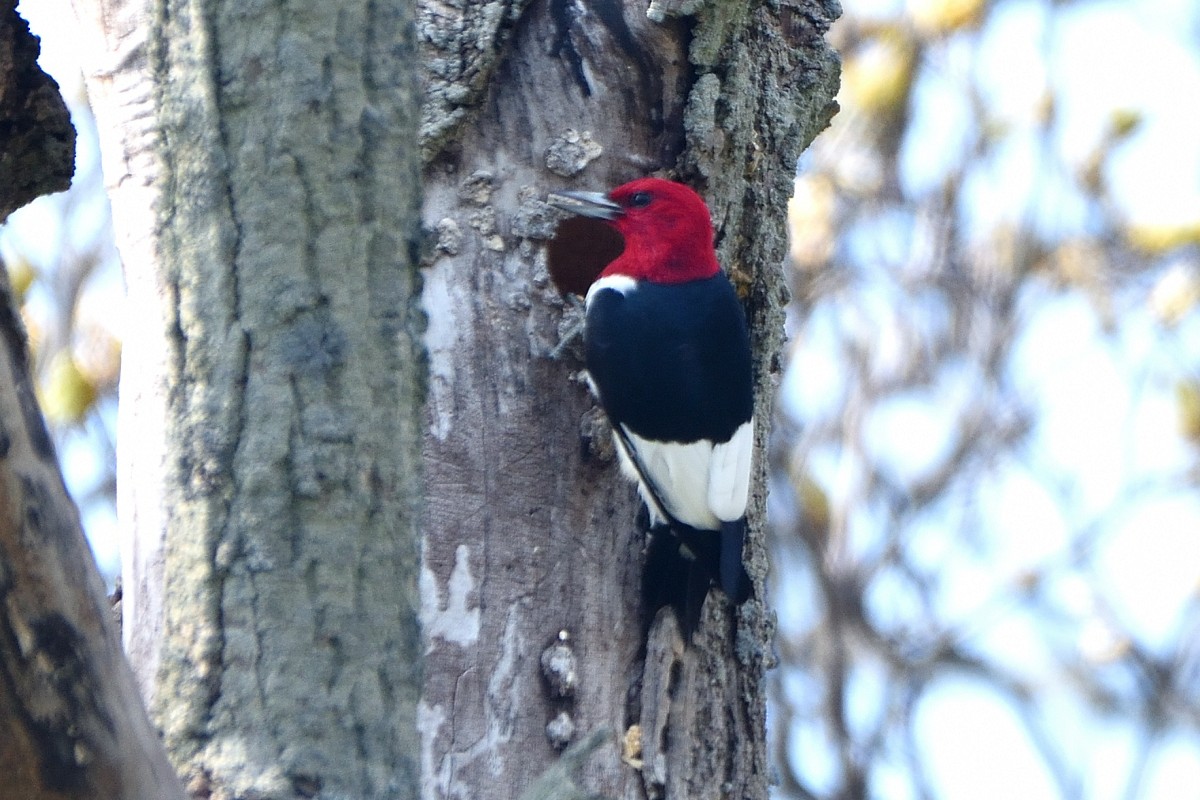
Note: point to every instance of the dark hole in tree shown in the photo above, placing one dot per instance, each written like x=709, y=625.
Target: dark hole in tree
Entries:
x=581, y=248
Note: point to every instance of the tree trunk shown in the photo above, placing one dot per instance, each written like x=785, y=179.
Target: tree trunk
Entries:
x=262, y=165
x=532, y=548
x=71, y=722
x=37, y=153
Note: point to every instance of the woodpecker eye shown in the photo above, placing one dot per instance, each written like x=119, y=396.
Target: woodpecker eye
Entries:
x=640, y=199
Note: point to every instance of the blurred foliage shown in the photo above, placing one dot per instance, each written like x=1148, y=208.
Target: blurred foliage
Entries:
x=985, y=515
x=65, y=274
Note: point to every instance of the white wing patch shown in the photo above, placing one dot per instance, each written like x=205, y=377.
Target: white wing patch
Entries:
x=729, y=474
x=700, y=484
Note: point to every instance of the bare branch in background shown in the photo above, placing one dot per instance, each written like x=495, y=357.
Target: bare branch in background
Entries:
x=941, y=542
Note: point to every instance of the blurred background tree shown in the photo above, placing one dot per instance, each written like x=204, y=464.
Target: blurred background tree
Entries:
x=985, y=500
x=986, y=517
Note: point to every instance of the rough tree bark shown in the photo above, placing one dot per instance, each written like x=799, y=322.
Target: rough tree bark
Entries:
x=262, y=167
x=529, y=532
x=37, y=142
x=71, y=724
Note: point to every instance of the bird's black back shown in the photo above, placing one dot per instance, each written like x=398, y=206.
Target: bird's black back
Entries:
x=672, y=362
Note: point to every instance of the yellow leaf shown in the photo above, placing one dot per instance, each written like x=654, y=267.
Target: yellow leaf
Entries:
x=1157, y=239
x=1187, y=405
x=21, y=275
x=67, y=393
x=811, y=235
x=945, y=16
x=878, y=77
x=1124, y=122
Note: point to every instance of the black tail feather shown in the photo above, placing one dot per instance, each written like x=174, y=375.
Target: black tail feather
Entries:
x=734, y=580
x=676, y=575
x=683, y=563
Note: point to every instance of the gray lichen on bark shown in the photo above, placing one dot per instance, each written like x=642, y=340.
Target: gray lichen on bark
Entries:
x=462, y=43
x=288, y=385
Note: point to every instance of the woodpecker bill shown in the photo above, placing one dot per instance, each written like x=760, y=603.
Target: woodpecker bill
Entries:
x=668, y=357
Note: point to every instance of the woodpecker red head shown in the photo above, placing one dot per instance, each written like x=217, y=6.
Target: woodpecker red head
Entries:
x=668, y=356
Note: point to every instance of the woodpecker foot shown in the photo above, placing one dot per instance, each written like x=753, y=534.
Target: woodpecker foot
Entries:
x=575, y=328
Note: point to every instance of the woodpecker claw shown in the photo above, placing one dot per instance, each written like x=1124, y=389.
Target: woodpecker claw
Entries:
x=574, y=331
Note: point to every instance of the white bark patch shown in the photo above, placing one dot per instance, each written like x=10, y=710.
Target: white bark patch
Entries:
x=454, y=621
x=441, y=342
x=429, y=722
x=504, y=700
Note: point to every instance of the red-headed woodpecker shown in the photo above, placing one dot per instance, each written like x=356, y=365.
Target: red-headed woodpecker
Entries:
x=668, y=357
